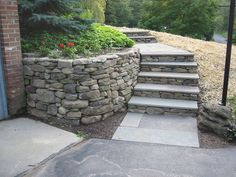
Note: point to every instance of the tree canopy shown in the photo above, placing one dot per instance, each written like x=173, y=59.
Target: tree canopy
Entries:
x=186, y=17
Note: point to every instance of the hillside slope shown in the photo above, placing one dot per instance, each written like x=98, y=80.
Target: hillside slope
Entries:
x=210, y=57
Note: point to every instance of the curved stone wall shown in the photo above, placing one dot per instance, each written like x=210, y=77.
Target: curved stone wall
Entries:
x=84, y=90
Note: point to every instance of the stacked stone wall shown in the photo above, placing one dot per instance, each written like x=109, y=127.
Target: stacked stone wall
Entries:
x=83, y=90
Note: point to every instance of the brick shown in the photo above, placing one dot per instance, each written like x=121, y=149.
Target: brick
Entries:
x=11, y=53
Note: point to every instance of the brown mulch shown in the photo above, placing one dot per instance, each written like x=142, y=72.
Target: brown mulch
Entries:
x=101, y=130
x=211, y=141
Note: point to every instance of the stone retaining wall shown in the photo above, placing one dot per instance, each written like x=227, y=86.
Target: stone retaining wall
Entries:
x=81, y=90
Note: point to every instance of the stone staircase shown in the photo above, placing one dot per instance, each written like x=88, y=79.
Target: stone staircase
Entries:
x=164, y=105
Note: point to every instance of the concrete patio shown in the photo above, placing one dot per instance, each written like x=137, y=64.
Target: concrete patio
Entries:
x=24, y=143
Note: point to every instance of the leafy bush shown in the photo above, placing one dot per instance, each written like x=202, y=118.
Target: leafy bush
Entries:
x=232, y=131
x=232, y=103
x=93, y=40
x=231, y=136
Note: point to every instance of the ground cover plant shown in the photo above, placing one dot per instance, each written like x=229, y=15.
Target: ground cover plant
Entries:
x=55, y=28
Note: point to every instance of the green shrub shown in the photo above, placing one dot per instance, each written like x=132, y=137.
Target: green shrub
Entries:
x=94, y=40
x=232, y=103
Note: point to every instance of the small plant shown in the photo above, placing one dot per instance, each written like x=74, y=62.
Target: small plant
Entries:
x=68, y=50
x=55, y=54
x=44, y=51
x=231, y=136
x=80, y=134
x=232, y=103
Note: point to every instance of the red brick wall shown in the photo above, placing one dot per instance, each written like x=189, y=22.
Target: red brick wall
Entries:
x=11, y=52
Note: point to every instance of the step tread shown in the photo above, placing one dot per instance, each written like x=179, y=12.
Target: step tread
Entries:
x=192, y=64
x=170, y=75
x=163, y=103
x=157, y=49
x=167, y=53
x=142, y=37
x=135, y=31
x=166, y=88
x=169, y=137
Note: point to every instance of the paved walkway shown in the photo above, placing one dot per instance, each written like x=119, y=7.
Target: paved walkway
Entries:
x=164, y=106
x=25, y=143
x=104, y=158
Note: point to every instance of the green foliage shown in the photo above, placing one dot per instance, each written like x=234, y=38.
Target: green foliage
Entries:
x=49, y=15
x=118, y=12
x=136, y=7
x=231, y=136
x=234, y=37
x=232, y=103
x=93, y=9
x=186, y=17
x=232, y=131
x=93, y=40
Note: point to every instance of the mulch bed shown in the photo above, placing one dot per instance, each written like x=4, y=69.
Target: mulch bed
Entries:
x=211, y=141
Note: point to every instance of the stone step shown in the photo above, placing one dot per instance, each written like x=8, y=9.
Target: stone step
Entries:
x=158, y=106
x=188, y=79
x=178, y=67
x=144, y=39
x=167, y=56
x=137, y=33
x=166, y=91
x=170, y=137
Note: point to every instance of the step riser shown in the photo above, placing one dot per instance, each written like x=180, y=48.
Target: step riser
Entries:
x=170, y=81
x=152, y=58
x=147, y=40
x=162, y=111
x=176, y=69
x=166, y=95
x=135, y=34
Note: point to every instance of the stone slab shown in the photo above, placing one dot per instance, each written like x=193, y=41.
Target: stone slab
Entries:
x=175, y=123
x=142, y=37
x=167, y=137
x=122, y=159
x=161, y=49
x=193, y=64
x=25, y=143
x=132, y=120
x=167, y=88
x=164, y=103
x=169, y=75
